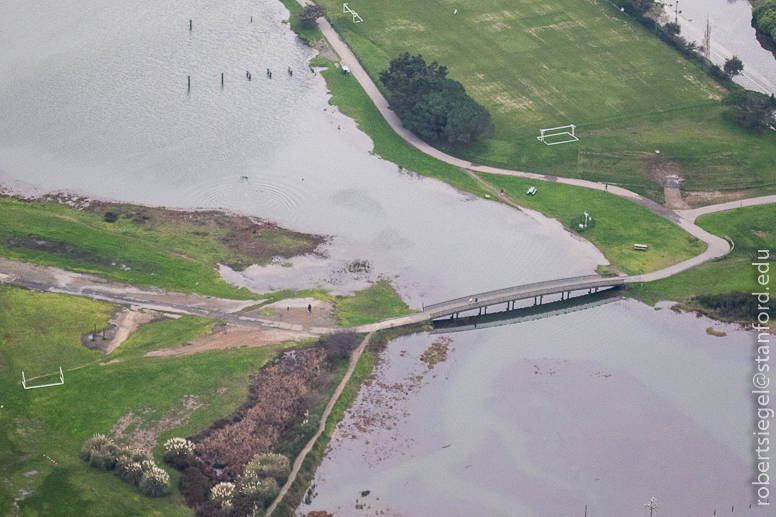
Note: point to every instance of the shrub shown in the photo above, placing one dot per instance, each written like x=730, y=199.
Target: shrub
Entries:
x=195, y=486
x=179, y=452
x=154, y=482
x=310, y=14
x=274, y=403
x=339, y=345
x=128, y=470
x=111, y=217
x=269, y=465
x=100, y=452
x=222, y=494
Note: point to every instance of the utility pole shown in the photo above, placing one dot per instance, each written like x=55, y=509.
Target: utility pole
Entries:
x=676, y=19
x=652, y=505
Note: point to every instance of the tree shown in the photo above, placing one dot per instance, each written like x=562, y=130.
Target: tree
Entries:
x=672, y=29
x=409, y=78
x=432, y=106
x=751, y=110
x=310, y=14
x=733, y=66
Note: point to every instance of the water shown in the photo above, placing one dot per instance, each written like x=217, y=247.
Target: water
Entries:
x=94, y=100
x=605, y=408
x=731, y=34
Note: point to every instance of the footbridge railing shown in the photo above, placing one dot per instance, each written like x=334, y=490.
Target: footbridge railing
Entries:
x=513, y=294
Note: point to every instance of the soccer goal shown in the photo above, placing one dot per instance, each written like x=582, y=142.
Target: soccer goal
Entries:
x=61, y=381
x=356, y=17
x=558, y=135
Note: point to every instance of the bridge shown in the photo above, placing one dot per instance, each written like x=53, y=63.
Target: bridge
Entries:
x=537, y=291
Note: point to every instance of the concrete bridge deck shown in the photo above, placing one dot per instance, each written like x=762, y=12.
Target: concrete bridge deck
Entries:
x=563, y=286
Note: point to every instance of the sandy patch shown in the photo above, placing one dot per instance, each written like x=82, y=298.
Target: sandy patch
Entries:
x=233, y=336
x=127, y=322
x=674, y=199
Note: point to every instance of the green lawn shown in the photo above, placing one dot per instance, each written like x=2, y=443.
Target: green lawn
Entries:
x=750, y=228
x=377, y=302
x=535, y=64
x=42, y=331
x=619, y=223
x=163, y=249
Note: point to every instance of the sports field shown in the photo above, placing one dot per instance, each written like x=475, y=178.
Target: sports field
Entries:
x=537, y=64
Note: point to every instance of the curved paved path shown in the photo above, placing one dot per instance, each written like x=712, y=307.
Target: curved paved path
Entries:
x=717, y=247
x=354, y=357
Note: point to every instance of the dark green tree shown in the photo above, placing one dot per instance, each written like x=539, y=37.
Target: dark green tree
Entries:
x=409, y=78
x=751, y=110
x=733, y=66
x=468, y=121
x=672, y=29
x=309, y=14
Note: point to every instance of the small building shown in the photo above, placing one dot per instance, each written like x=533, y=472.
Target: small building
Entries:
x=345, y=70
x=531, y=191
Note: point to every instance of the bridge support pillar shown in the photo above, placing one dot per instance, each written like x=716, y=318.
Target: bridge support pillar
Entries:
x=485, y=309
x=596, y=289
x=480, y=311
x=540, y=299
x=535, y=300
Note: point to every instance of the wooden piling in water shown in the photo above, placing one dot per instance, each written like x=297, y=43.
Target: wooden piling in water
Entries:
x=189, y=80
x=222, y=78
x=190, y=25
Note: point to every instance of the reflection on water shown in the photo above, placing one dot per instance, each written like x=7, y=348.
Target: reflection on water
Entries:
x=605, y=407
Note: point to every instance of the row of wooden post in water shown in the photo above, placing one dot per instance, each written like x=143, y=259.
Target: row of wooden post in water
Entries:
x=247, y=76
x=247, y=73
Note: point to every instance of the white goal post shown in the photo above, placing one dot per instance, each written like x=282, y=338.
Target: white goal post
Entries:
x=61, y=381
x=356, y=17
x=566, y=131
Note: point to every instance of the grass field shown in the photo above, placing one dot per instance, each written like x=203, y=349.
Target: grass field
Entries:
x=536, y=65
x=377, y=302
x=751, y=229
x=619, y=223
x=41, y=332
x=145, y=246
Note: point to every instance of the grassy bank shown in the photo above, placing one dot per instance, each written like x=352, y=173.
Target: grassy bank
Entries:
x=750, y=228
x=41, y=332
x=572, y=62
x=352, y=100
x=145, y=246
x=619, y=223
x=375, y=303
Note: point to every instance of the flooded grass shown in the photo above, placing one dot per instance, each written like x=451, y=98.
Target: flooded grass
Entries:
x=145, y=246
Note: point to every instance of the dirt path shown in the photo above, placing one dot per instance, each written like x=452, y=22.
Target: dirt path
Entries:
x=354, y=357
x=234, y=336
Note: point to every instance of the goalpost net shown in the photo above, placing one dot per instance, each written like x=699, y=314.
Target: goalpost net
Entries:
x=356, y=17
x=558, y=135
x=61, y=381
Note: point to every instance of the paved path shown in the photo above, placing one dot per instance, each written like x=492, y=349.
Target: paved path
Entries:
x=354, y=357
x=717, y=247
x=692, y=215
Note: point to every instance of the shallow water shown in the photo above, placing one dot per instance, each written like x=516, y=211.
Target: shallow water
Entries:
x=97, y=102
x=731, y=34
x=605, y=407
x=94, y=100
